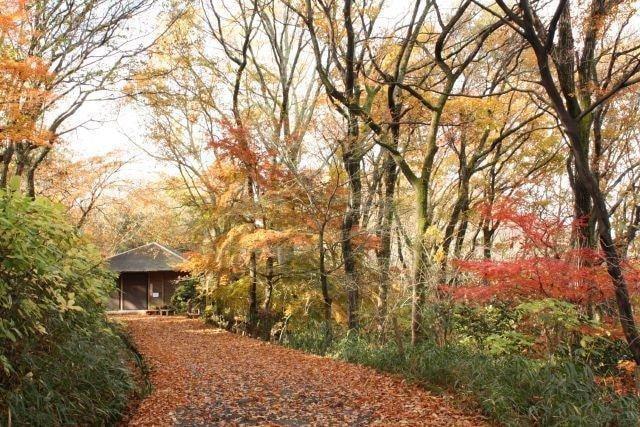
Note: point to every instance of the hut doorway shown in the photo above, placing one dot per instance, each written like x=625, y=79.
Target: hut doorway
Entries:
x=135, y=291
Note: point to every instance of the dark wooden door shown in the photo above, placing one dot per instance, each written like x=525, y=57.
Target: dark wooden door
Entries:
x=135, y=291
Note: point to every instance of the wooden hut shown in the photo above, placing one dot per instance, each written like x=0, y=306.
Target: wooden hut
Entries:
x=147, y=277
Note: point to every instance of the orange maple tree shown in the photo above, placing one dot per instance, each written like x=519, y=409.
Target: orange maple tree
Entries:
x=23, y=78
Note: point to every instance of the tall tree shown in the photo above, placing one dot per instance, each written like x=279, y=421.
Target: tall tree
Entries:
x=569, y=79
x=340, y=49
x=433, y=84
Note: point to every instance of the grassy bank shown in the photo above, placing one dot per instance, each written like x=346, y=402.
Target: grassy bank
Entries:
x=511, y=390
x=84, y=380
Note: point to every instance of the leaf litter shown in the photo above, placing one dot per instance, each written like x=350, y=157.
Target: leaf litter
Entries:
x=203, y=376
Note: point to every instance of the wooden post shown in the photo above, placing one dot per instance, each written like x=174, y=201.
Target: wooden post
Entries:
x=148, y=288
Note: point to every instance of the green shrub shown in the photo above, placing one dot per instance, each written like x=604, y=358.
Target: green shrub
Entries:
x=61, y=361
x=313, y=337
x=186, y=296
x=545, y=328
x=600, y=352
x=83, y=382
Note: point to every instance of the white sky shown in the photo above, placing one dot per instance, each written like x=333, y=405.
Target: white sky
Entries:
x=116, y=125
x=117, y=128
x=111, y=124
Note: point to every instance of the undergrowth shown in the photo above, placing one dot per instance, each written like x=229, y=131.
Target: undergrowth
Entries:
x=61, y=361
x=85, y=380
x=510, y=389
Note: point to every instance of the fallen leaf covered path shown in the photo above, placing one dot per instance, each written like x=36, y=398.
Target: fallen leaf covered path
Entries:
x=203, y=376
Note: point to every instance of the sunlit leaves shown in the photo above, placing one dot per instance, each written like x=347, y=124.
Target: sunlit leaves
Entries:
x=543, y=264
x=23, y=78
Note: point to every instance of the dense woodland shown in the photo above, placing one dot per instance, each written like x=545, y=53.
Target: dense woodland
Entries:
x=448, y=190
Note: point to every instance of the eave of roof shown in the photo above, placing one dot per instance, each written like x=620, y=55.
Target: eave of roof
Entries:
x=150, y=257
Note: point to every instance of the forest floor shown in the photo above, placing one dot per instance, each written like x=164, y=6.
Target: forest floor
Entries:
x=203, y=376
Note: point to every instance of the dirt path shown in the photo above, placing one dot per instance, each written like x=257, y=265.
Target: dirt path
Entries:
x=206, y=377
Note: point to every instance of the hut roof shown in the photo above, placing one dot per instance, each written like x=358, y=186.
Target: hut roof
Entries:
x=149, y=257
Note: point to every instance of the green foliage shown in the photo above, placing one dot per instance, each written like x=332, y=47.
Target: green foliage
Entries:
x=492, y=328
x=62, y=362
x=602, y=353
x=186, y=295
x=82, y=382
x=547, y=328
x=314, y=337
x=508, y=342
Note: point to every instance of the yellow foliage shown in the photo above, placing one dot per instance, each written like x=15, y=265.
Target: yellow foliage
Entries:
x=432, y=235
x=23, y=79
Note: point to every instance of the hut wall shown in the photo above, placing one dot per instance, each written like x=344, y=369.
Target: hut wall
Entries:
x=161, y=287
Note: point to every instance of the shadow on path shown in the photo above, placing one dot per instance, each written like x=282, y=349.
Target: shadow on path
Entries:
x=207, y=377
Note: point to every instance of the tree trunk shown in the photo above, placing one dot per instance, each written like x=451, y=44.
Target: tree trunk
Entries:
x=584, y=230
x=419, y=263
x=632, y=229
x=268, y=298
x=458, y=212
x=31, y=171
x=7, y=157
x=20, y=165
x=324, y=281
x=421, y=188
x=585, y=178
x=487, y=240
x=266, y=306
x=462, y=230
x=384, y=252
x=401, y=238
x=351, y=160
x=253, y=294
x=612, y=258
x=390, y=176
